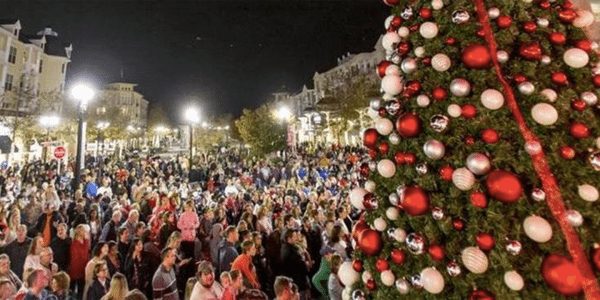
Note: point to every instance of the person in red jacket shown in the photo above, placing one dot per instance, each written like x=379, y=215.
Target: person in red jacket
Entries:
x=80, y=249
x=244, y=263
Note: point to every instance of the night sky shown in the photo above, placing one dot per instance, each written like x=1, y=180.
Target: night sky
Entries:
x=224, y=55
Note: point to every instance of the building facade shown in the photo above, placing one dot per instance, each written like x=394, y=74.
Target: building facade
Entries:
x=32, y=70
x=131, y=104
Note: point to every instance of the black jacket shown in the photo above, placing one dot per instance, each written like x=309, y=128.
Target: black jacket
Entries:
x=97, y=290
x=295, y=267
x=61, y=249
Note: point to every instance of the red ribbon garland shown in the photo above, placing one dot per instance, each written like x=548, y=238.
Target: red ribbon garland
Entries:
x=540, y=164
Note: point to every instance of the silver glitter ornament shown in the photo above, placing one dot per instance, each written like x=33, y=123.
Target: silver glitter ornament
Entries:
x=358, y=295
x=422, y=169
x=394, y=138
x=402, y=286
x=400, y=191
x=460, y=16
x=460, y=87
x=437, y=213
x=589, y=98
x=502, y=56
x=526, y=88
x=372, y=165
x=538, y=194
x=478, y=163
x=394, y=199
x=434, y=149
x=513, y=247
x=415, y=243
x=594, y=160
x=406, y=13
x=453, y=269
x=375, y=104
x=439, y=123
x=574, y=217
x=546, y=60
x=392, y=107
x=395, y=57
x=408, y=65
x=416, y=281
x=391, y=233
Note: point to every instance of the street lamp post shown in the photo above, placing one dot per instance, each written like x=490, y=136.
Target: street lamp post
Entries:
x=284, y=114
x=83, y=94
x=101, y=126
x=192, y=117
x=48, y=122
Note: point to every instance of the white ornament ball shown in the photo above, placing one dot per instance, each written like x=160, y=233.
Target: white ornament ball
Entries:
x=394, y=138
x=546, y=60
x=589, y=98
x=388, y=278
x=533, y=147
x=574, y=217
x=584, y=18
x=392, y=70
x=357, y=196
x=550, y=94
x=437, y=4
x=502, y=56
x=400, y=235
x=527, y=1
x=392, y=84
x=474, y=260
x=423, y=100
x=370, y=186
x=419, y=51
x=460, y=87
x=434, y=149
x=386, y=168
x=390, y=40
x=441, y=62
x=526, y=88
x=543, y=22
x=537, y=229
x=373, y=114
x=408, y=65
x=463, y=179
x=392, y=213
x=347, y=275
x=544, y=114
x=403, y=32
x=576, y=58
x=428, y=30
x=347, y=293
x=384, y=126
x=478, y=163
x=366, y=276
x=588, y=192
x=388, y=22
x=454, y=110
x=380, y=224
x=514, y=280
x=492, y=99
x=493, y=12
x=432, y=280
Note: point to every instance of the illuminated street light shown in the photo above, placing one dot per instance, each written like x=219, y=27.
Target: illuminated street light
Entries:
x=192, y=116
x=83, y=94
x=284, y=113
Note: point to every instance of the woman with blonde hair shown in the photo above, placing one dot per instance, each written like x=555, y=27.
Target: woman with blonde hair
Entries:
x=118, y=288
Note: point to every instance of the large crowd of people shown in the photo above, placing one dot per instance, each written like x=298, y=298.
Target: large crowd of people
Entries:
x=229, y=227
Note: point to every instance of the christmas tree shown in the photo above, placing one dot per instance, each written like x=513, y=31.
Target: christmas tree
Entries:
x=485, y=155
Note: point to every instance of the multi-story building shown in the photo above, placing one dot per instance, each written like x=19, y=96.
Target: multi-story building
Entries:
x=32, y=70
x=131, y=104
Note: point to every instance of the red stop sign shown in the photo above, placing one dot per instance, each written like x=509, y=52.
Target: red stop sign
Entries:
x=59, y=152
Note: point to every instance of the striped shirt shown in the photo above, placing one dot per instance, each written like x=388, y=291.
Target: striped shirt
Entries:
x=164, y=285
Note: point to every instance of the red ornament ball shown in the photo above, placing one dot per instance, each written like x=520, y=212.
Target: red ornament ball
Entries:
x=559, y=78
x=381, y=265
x=396, y=22
x=446, y=173
x=372, y=153
x=426, y=61
x=567, y=152
x=415, y=201
x=409, y=125
x=469, y=140
x=561, y=274
x=414, y=27
x=480, y=33
x=567, y=15
x=383, y=147
x=485, y=241
x=370, y=201
x=458, y=224
x=364, y=169
x=519, y=78
x=579, y=130
x=450, y=41
x=481, y=295
x=596, y=257
x=382, y=66
x=410, y=158
x=545, y=4
x=382, y=112
x=469, y=111
x=585, y=45
x=398, y=256
x=391, y=3
x=425, y=13
x=439, y=94
x=358, y=229
x=578, y=105
x=357, y=265
x=370, y=242
x=371, y=285
x=531, y=51
x=370, y=137
x=557, y=38
x=403, y=48
x=504, y=21
x=399, y=158
x=476, y=56
x=490, y=136
x=504, y=186
x=529, y=27
x=567, y=4
x=596, y=80
x=478, y=199
x=412, y=88
x=436, y=252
